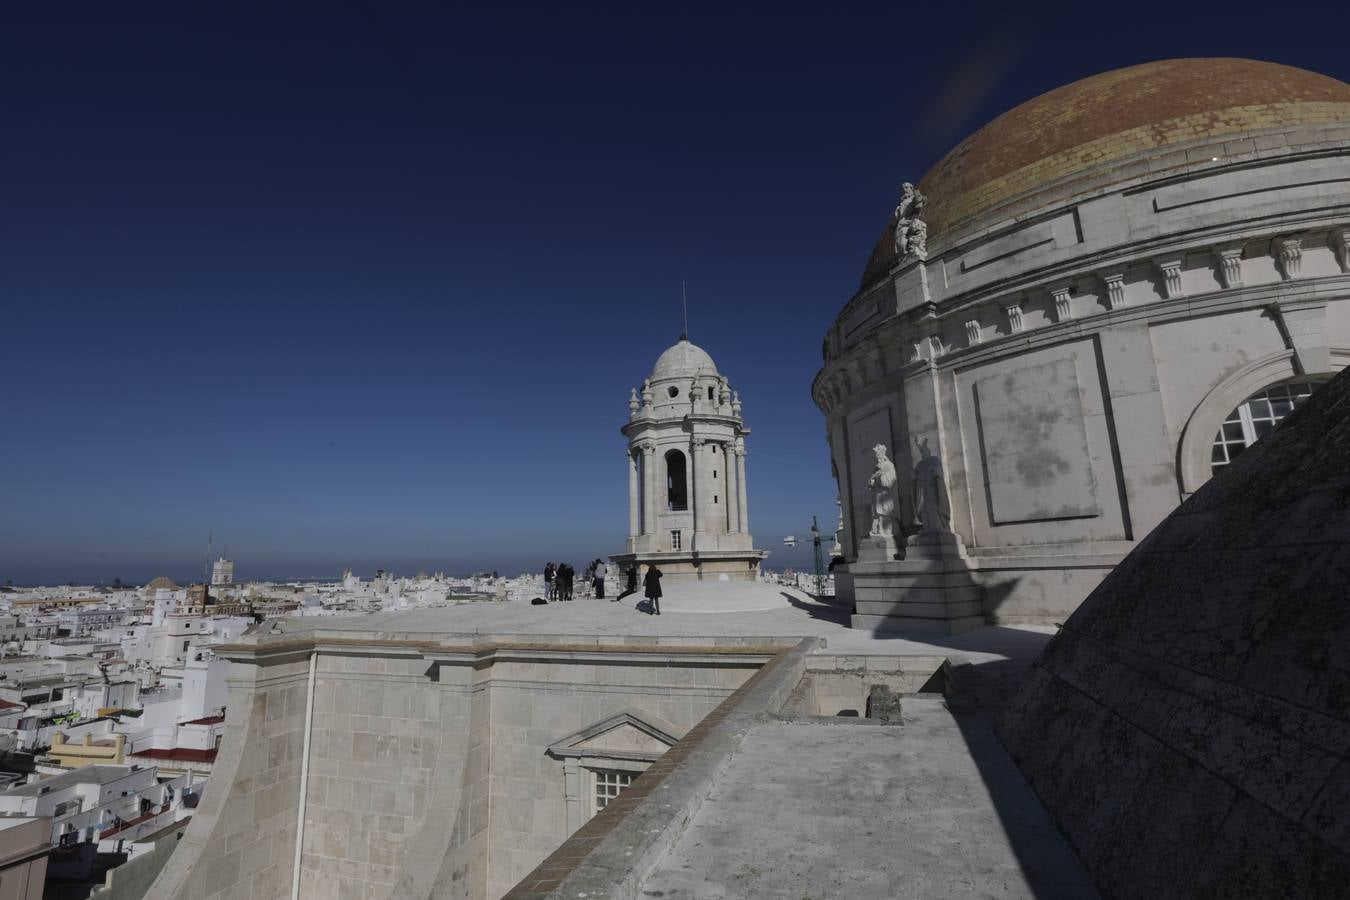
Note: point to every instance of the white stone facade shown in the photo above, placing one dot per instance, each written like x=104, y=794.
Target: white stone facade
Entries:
x=1071, y=358
x=688, y=508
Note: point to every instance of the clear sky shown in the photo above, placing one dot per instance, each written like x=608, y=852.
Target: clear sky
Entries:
x=367, y=284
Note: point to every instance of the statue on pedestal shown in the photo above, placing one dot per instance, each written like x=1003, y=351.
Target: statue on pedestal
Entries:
x=931, y=506
x=882, y=484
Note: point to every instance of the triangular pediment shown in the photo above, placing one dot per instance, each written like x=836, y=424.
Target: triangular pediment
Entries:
x=625, y=733
x=625, y=737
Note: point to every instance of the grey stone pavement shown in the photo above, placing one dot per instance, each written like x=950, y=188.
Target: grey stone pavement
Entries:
x=930, y=809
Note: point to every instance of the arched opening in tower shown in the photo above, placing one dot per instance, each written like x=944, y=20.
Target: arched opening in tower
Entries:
x=677, y=486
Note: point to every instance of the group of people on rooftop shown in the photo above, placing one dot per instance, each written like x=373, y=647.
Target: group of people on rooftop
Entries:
x=559, y=582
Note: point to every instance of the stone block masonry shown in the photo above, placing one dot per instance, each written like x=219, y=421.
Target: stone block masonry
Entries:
x=428, y=771
x=1189, y=729
x=241, y=838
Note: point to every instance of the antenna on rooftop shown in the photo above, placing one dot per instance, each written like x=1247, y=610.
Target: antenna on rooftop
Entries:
x=684, y=299
x=206, y=569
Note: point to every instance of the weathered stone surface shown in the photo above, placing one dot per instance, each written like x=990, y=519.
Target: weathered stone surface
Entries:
x=883, y=704
x=1189, y=729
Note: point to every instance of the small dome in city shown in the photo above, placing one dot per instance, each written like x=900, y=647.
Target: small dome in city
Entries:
x=682, y=361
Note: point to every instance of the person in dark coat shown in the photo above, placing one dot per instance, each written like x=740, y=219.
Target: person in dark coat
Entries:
x=599, y=573
x=548, y=581
x=651, y=585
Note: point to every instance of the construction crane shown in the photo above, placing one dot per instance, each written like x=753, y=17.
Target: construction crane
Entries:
x=816, y=539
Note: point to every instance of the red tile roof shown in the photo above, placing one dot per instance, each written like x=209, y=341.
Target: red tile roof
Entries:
x=179, y=753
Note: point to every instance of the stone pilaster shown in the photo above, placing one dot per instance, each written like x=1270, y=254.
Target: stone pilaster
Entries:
x=740, y=486
x=698, y=491
x=649, y=488
x=728, y=472
x=634, y=523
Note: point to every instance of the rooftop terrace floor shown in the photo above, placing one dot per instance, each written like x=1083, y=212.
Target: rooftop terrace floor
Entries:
x=708, y=609
x=932, y=808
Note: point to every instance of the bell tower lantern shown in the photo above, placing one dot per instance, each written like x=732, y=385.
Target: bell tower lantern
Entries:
x=687, y=504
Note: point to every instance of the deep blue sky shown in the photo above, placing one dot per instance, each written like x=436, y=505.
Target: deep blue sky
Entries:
x=368, y=284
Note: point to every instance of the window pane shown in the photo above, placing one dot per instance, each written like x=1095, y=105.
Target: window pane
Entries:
x=1262, y=411
x=609, y=784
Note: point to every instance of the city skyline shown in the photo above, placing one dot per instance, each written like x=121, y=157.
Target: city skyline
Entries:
x=370, y=290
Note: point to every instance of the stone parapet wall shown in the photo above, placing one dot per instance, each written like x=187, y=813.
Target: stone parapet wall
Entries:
x=242, y=835
x=429, y=770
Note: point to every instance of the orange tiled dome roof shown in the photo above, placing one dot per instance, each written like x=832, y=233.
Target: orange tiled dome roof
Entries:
x=1072, y=138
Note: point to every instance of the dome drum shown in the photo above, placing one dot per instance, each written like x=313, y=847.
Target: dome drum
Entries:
x=1052, y=335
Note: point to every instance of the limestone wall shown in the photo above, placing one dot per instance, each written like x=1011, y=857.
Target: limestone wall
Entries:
x=429, y=774
x=379, y=726
x=242, y=835
x=536, y=703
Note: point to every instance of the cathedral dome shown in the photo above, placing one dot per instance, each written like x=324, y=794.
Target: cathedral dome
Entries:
x=683, y=360
x=1113, y=127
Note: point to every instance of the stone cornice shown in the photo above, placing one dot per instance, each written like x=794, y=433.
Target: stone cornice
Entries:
x=941, y=245
x=1185, y=240
x=920, y=329
x=269, y=650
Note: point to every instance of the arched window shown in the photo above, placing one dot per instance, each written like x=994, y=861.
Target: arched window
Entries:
x=677, y=493
x=1256, y=417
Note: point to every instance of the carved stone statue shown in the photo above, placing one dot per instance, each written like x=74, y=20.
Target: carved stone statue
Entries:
x=911, y=234
x=931, y=506
x=918, y=238
x=838, y=548
x=882, y=484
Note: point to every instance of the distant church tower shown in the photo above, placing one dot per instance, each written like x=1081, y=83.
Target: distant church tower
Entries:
x=687, y=506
